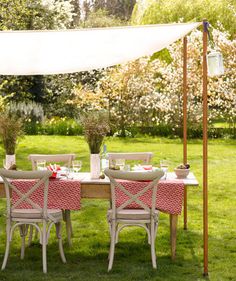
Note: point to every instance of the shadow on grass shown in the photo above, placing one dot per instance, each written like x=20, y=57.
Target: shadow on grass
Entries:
x=87, y=260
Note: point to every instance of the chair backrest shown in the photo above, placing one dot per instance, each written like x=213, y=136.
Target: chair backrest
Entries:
x=40, y=179
x=152, y=179
x=145, y=157
x=66, y=159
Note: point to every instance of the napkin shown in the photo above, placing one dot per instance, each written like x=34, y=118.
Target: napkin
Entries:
x=54, y=168
x=147, y=167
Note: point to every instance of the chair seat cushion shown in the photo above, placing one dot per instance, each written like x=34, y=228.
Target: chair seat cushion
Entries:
x=35, y=214
x=132, y=214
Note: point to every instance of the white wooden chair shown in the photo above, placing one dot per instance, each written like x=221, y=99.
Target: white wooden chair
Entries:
x=66, y=160
x=145, y=157
x=120, y=217
x=35, y=216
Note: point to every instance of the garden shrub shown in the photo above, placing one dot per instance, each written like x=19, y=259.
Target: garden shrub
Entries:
x=163, y=130
x=61, y=126
x=54, y=126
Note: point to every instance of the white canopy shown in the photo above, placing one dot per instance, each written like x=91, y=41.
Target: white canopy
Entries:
x=67, y=51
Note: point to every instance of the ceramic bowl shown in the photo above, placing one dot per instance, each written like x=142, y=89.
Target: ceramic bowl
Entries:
x=181, y=173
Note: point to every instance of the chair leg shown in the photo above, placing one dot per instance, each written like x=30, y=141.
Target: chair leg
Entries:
x=156, y=225
x=109, y=226
x=153, y=250
x=30, y=235
x=36, y=234
x=23, y=230
x=44, y=247
x=148, y=233
x=117, y=233
x=156, y=228
x=58, y=231
x=7, y=250
x=112, y=244
x=116, y=236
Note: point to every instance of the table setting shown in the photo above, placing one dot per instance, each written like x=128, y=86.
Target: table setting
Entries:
x=71, y=185
x=60, y=172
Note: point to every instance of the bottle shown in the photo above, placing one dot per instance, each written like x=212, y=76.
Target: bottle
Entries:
x=105, y=161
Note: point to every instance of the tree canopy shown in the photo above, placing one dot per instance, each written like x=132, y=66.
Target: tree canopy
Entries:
x=220, y=13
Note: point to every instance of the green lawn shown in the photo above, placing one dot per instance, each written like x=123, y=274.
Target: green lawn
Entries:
x=221, y=125
x=87, y=259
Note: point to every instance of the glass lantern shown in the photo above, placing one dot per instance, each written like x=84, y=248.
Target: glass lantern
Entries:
x=215, y=64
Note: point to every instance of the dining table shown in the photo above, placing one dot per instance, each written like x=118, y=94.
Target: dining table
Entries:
x=66, y=193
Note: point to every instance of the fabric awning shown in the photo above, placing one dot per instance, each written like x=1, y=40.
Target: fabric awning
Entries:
x=67, y=51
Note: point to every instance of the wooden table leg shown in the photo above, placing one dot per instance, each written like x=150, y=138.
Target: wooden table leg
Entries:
x=173, y=234
x=67, y=220
x=185, y=208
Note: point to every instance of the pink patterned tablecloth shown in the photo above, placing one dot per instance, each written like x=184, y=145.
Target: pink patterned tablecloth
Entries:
x=62, y=194
x=169, y=195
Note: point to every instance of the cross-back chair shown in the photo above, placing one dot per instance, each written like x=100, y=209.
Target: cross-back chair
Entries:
x=145, y=157
x=120, y=216
x=36, y=215
x=66, y=160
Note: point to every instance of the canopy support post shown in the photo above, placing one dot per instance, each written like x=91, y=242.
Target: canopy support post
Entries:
x=205, y=152
x=185, y=160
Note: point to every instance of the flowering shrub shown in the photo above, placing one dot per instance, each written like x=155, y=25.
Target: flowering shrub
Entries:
x=221, y=90
x=28, y=111
x=119, y=92
x=148, y=93
x=120, y=134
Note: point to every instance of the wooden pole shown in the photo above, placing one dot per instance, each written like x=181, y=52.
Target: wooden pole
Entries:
x=185, y=160
x=205, y=164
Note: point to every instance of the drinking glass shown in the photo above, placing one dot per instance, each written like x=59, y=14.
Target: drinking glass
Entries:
x=69, y=173
x=164, y=166
x=76, y=164
x=120, y=163
x=127, y=168
x=41, y=165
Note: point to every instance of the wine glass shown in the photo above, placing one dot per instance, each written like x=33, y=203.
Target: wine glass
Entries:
x=120, y=163
x=76, y=164
x=41, y=165
x=164, y=166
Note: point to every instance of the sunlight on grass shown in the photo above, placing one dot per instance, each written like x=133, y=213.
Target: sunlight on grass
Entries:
x=221, y=125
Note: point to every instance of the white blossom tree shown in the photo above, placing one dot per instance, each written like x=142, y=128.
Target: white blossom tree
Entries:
x=149, y=93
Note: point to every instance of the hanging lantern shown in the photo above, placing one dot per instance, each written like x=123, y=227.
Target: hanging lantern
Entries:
x=215, y=64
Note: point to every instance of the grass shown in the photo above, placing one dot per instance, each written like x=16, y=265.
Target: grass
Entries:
x=87, y=259
x=221, y=125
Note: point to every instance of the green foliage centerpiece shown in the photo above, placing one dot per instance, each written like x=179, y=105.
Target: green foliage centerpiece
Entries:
x=96, y=126
x=10, y=131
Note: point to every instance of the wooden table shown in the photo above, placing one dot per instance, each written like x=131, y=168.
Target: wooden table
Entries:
x=100, y=189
